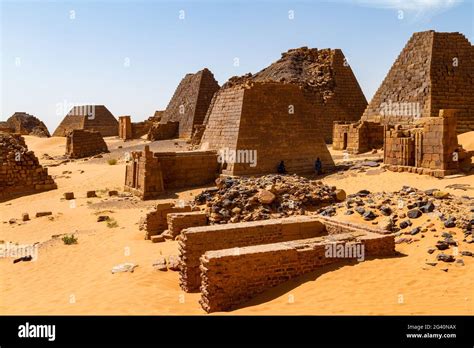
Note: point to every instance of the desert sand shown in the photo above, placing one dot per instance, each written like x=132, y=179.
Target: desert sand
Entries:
x=77, y=279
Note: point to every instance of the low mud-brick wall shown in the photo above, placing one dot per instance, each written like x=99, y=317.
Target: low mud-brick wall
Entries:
x=231, y=277
x=195, y=241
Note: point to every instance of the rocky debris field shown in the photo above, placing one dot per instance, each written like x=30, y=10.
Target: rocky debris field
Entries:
x=412, y=214
x=266, y=197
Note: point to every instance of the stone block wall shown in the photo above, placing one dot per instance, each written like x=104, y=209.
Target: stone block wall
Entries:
x=162, y=131
x=194, y=242
x=179, y=221
x=20, y=171
x=188, y=168
x=225, y=285
x=143, y=175
x=83, y=143
x=156, y=221
x=429, y=148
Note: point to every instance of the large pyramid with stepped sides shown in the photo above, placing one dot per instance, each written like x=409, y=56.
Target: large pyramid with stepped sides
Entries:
x=326, y=79
x=434, y=71
x=255, y=125
x=88, y=117
x=190, y=102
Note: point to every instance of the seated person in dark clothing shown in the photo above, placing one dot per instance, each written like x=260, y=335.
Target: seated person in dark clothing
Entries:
x=318, y=166
x=281, y=168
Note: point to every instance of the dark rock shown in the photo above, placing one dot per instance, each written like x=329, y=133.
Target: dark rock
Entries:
x=414, y=213
x=405, y=223
x=385, y=210
x=369, y=215
x=445, y=258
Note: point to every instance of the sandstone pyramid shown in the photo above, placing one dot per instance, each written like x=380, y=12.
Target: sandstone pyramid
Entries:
x=190, y=102
x=434, y=71
x=326, y=79
x=25, y=124
x=268, y=122
x=88, y=117
x=20, y=171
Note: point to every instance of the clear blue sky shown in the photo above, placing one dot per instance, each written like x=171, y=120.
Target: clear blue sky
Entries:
x=49, y=59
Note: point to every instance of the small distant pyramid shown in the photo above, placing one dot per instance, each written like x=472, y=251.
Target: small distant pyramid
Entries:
x=434, y=71
x=88, y=117
x=190, y=101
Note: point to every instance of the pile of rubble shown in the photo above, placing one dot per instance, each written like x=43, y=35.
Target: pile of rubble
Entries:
x=272, y=196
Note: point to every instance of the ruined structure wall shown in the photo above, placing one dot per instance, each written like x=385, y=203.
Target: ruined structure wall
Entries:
x=83, y=143
x=20, y=171
x=188, y=168
x=452, y=71
x=143, y=175
x=407, y=81
x=196, y=241
x=225, y=286
x=155, y=221
x=179, y=221
x=162, y=131
x=357, y=137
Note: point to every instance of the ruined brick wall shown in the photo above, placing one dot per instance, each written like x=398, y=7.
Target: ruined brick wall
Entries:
x=190, y=102
x=89, y=117
x=194, y=242
x=357, y=137
x=83, y=143
x=225, y=286
x=272, y=120
x=179, y=221
x=188, y=168
x=149, y=174
x=430, y=145
x=20, y=171
x=143, y=175
x=162, y=131
x=433, y=72
x=440, y=141
x=155, y=221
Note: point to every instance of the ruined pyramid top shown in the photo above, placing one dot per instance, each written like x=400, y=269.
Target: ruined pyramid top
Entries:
x=311, y=68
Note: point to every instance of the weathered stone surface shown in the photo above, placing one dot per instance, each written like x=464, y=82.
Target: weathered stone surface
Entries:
x=20, y=171
x=84, y=143
x=88, y=117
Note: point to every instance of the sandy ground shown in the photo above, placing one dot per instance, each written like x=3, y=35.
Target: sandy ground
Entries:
x=77, y=279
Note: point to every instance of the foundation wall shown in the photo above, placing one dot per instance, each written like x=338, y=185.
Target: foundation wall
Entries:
x=194, y=242
x=225, y=285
